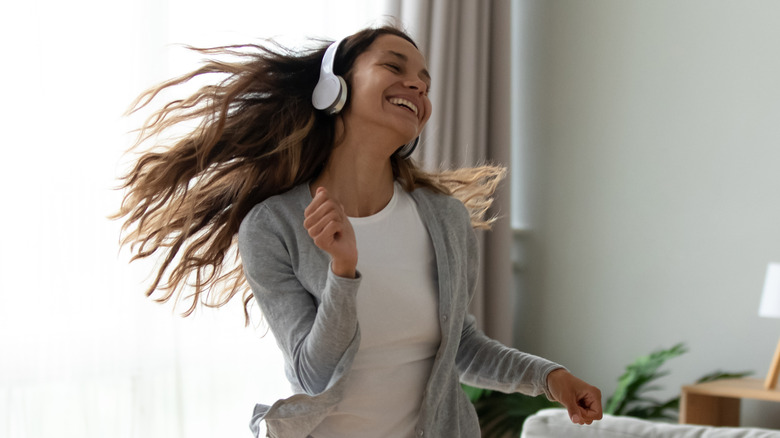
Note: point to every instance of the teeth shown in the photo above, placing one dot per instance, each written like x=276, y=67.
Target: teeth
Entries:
x=404, y=102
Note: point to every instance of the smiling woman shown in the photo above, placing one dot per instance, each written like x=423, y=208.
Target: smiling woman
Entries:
x=299, y=157
x=317, y=211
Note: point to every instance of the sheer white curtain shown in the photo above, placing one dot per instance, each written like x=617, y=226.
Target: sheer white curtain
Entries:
x=82, y=352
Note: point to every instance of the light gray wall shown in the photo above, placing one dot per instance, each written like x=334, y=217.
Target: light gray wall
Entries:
x=653, y=186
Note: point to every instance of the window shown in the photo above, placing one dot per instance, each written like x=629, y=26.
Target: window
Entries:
x=85, y=353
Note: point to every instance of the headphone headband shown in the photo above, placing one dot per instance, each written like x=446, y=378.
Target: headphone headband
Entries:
x=406, y=150
x=329, y=57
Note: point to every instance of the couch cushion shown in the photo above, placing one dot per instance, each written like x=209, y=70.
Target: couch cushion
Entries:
x=551, y=423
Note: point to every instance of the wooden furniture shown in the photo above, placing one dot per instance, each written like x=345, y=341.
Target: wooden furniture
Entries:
x=717, y=403
x=774, y=370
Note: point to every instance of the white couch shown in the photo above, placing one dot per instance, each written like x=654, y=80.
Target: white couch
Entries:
x=555, y=423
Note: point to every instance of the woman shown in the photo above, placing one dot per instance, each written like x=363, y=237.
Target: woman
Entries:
x=363, y=265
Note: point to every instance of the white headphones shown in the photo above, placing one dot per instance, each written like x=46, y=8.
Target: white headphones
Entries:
x=406, y=150
x=330, y=93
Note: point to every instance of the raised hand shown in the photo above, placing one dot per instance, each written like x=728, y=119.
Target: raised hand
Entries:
x=583, y=401
x=328, y=225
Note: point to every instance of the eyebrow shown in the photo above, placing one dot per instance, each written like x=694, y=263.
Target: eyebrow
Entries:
x=404, y=58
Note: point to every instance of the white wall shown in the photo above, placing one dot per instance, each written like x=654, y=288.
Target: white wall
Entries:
x=655, y=190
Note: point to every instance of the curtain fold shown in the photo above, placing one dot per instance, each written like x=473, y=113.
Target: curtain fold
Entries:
x=467, y=45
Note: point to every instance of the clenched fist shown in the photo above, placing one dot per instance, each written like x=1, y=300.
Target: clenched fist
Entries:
x=329, y=226
x=582, y=400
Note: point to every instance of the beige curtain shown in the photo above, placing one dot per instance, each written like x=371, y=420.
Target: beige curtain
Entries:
x=468, y=47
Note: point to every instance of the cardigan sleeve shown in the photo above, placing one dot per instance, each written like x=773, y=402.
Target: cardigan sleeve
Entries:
x=486, y=363
x=314, y=336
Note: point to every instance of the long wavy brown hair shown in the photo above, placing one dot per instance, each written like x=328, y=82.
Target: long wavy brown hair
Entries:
x=257, y=135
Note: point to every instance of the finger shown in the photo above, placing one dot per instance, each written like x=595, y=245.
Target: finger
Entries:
x=329, y=235
x=581, y=411
x=590, y=407
x=320, y=206
x=573, y=411
x=596, y=411
x=326, y=210
x=320, y=225
x=320, y=197
x=584, y=416
x=332, y=241
x=323, y=241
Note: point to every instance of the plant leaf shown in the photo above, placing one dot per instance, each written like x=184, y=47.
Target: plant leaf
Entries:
x=638, y=374
x=717, y=375
x=501, y=414
x=474, y=393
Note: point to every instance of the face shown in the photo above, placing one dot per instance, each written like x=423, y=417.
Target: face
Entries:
x=389, y=91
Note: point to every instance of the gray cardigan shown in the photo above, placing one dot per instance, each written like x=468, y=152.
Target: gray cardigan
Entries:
x=312, y=314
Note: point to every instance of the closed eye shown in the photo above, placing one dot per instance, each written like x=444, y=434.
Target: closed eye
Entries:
x=395, y=68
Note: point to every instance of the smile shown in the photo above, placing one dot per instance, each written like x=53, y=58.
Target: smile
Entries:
x=404, y=103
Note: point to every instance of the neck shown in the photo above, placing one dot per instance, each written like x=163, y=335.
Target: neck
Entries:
x=362, y=183
x=358, y=172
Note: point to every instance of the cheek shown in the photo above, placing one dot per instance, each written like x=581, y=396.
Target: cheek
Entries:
x=428, y=110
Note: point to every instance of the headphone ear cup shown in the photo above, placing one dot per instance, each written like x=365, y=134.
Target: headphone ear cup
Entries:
x=330, y=94
x=406, y=150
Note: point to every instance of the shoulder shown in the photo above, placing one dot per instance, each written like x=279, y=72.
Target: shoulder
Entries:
x=446, y=218
x=289, y=204
x=441, y=206
x=281, y=214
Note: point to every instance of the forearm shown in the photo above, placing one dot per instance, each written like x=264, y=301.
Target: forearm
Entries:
x=486, y=363
x=316, y=356
x=313, y=337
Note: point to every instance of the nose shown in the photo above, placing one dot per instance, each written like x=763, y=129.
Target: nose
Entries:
x=416, y=83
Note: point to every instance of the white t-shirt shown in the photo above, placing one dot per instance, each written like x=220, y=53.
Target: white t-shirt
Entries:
x=397, y=307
